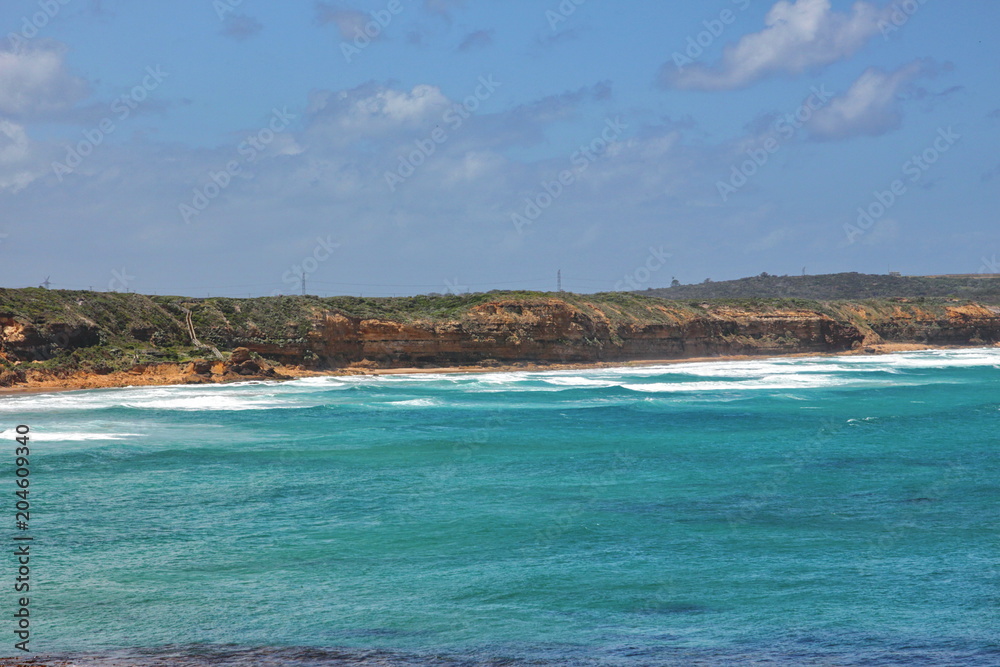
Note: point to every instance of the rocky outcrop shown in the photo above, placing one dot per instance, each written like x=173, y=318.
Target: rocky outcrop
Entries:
x=264, y=338
x=20, y=340
x=554, y=331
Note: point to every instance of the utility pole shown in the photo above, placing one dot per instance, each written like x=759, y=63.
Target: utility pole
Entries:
x=559, y=279
x=303, y=283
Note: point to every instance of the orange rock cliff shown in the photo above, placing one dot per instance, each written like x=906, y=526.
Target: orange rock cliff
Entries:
x=59, y=336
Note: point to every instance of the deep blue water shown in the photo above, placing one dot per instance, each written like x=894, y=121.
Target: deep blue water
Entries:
x=829, y=511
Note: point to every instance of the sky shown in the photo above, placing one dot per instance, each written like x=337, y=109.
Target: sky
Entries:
x=395, y=147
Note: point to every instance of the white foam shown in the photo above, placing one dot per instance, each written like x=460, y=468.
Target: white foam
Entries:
x=56, y=436
x=576, y=381
x=789, y=373
x=768, y=382
x=416, y=403
x=202, y=397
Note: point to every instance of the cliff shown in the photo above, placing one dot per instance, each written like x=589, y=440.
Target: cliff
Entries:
x=75, y=337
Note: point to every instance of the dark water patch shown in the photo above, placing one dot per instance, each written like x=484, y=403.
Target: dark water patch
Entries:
x=921, y=654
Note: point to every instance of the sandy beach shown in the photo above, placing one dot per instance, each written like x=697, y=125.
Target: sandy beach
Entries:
x=170, y=374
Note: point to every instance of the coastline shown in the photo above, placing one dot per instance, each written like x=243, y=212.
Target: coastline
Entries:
x=167, y=375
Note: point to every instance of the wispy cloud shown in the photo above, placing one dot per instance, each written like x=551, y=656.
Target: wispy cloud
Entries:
x=241, y=26
x=347, y=21
x=36, y=82
x=476, y=40
x=799, y=36
x=443, y=8
x=872, y=106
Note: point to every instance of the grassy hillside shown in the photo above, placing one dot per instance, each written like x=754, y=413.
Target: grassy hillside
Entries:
x=69, y=331
x=846, y=286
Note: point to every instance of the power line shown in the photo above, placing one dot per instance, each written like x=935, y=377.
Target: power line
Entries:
x=303, y=277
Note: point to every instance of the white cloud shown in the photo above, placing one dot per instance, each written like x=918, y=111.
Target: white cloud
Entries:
x=16, y=169
x=799, y=36
x=37, y=83
x=377, y=111
x=327, y=177
x=871, y=106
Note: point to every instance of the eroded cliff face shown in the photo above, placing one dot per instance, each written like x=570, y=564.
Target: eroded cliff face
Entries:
x=551, y=330
x=26, y=341
x=554, y=331
x=307, y=335
x=965, y=324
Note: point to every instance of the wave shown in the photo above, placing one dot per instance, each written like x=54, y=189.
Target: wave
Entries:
x=782, y=374
x=576, y=381
x=416, y=403
x=767, y=382
x=41, y=435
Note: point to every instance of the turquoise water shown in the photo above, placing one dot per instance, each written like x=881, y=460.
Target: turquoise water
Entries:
x=837, y=510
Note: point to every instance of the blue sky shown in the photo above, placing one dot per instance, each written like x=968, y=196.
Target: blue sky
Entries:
x=227, y=147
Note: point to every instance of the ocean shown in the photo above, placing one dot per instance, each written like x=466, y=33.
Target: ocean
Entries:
x=788, y=511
